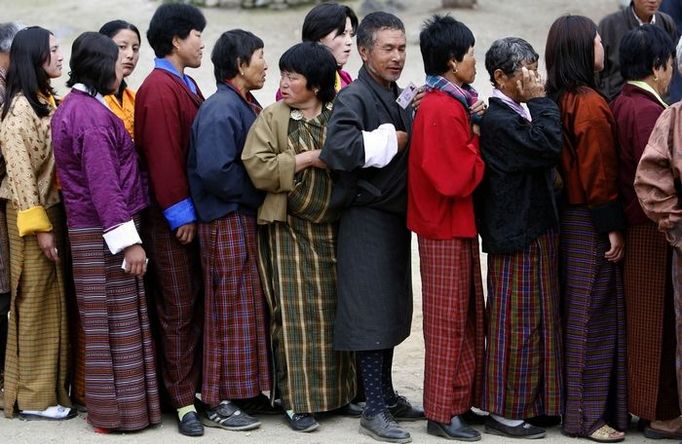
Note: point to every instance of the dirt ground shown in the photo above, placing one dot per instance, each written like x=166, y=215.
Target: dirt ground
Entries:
x=529, y=19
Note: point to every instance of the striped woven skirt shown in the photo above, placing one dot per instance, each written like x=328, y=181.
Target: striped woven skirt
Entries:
x=37, y=358
x=523, y=373
x=121, y=390
x=236, y=357
x=677, y=285
x=454, y=326
x=649, y=307
x=297, y=262
x=179, y=307
x=594, y=323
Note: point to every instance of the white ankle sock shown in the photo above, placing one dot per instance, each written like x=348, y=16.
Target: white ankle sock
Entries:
x=507, y=422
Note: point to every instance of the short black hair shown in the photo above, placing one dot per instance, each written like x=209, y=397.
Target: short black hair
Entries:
x=171, y=20
x=326, y=18
x=232, y=48
x=442, y=39
x=314, y=62
x=508, y=55
x=644, y=49
x=374, y=22
x=93, y=63
x=110, y=29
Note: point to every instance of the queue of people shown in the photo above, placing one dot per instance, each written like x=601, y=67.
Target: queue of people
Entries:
x=230, y=260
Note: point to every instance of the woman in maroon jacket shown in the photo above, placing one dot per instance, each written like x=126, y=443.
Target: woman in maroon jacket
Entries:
x=646, y=60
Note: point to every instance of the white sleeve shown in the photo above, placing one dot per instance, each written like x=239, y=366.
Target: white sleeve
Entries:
x=381, y=145
x=121, y=237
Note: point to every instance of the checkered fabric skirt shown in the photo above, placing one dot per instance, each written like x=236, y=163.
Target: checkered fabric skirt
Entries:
x=236, y=357
x=297, y=262
x=454, y=326
x=651, y=342
x=523, y=373
x=179, y=306
x=594, y=323
x=121, y=391
x=37, y=358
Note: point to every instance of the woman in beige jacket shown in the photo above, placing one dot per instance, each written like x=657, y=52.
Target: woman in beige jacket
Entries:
x=37, y=346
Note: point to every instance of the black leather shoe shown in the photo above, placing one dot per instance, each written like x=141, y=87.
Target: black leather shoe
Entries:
x=190, y=425
x=402, y=410
x=457, y=429
x=383, y=427
x=523, y=430
x=351, y=410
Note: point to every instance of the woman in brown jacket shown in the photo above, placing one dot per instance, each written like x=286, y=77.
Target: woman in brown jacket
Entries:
x=591, y=236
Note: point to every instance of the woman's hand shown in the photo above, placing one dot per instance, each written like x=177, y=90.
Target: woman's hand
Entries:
x=309, y=159
x=617, y=250
x=185, y=234
x=530, y=85
x=403, y=138
x=478, y=108
x=136, y=260
x=48, y=245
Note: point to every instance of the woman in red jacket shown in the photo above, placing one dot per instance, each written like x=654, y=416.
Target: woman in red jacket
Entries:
x=444, y=169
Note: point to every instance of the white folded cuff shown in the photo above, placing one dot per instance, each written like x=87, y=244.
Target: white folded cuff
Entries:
x=381, y=146
x=121, y=237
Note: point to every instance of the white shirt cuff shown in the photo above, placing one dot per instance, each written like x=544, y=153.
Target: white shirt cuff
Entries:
x=381, y=146
x=121, y=237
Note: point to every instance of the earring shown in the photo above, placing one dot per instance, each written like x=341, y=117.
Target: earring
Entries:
x=655, y=79
x=242, y=73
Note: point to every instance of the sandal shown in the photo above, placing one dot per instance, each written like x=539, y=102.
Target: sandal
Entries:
x=606, y=433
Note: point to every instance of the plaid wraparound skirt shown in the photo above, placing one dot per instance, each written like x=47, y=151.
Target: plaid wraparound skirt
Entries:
x=297, y=262
x=523, y=374
x=454, y=326
x=37, y=358
x=650, y=313
x=236, y=360
x=121, y=390
x=594, y=328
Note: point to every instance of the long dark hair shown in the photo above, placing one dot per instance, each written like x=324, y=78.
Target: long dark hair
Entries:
x=30, y=50
x=569, y=55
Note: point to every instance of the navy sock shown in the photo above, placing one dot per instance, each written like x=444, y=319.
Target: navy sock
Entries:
x=386, y=379
x=371, y=365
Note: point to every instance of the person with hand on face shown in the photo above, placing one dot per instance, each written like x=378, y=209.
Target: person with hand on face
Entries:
x=236, y=366
x=165, y=107
x=333, y=25
x=444, y=169
x=36, y=367
x=127, y=38
x=518, y=220
x=592, y=225
x=366, y=148
x=297, y=238
x=646, y=61
x=104, y=195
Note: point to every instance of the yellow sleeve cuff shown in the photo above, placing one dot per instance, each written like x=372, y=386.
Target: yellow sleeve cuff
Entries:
x=33, y=220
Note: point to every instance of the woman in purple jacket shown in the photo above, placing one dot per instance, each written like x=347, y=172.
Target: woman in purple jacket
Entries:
x=103, y=195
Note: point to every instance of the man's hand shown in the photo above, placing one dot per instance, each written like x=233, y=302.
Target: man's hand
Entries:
x=185, y=234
